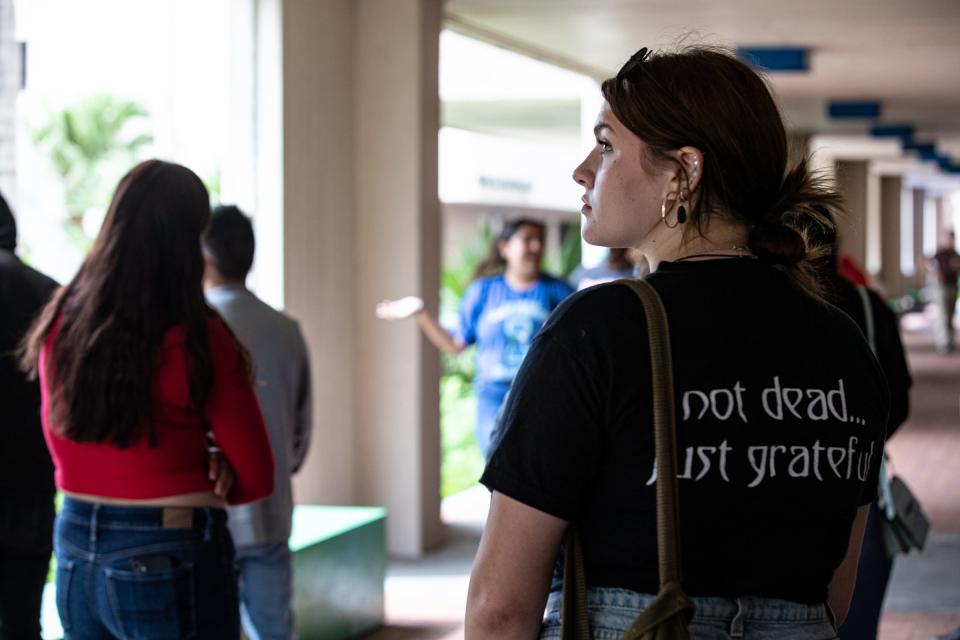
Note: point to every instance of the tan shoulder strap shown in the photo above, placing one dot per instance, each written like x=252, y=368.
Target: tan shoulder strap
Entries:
x=664, y=424
x=574, y=607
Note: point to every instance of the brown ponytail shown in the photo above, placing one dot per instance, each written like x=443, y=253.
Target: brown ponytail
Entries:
x=782, y=235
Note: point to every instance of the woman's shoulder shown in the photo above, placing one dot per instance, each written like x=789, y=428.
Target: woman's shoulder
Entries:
x=603, y=309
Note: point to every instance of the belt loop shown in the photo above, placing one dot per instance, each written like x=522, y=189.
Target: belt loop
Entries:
x=208, y=524
x=736, y=625
x=93, y=522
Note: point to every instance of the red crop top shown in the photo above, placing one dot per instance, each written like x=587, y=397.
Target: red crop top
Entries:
x=178, y=463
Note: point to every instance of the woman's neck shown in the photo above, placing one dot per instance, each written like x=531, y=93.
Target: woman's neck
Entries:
x=719, y=239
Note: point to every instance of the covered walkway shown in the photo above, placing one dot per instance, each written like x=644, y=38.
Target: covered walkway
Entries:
x=425, y=598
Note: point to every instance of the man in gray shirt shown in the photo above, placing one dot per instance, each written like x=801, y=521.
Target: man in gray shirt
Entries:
x=281, y=367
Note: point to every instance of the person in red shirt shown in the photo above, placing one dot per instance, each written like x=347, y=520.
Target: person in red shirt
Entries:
x=139, y=376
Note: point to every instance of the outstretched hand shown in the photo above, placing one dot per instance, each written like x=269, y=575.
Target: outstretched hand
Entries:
x=399, y=309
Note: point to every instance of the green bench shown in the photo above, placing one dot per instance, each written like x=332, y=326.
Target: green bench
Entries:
x=339, y=566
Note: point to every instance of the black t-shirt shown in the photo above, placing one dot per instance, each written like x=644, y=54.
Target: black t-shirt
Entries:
x=780, y=411
x=889, y=347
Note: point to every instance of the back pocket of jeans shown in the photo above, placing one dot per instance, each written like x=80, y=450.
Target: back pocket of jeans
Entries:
x=62, y=582
x=152, y=599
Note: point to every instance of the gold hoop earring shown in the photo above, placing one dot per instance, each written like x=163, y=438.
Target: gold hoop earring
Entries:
x=664, y=212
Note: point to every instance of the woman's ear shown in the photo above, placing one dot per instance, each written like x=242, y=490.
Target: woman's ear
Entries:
x=690, y=160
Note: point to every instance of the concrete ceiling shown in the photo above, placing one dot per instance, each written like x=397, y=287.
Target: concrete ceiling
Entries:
x=903, y=53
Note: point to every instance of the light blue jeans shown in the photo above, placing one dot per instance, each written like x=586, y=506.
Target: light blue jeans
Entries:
x=490, y=397
x=266, y=585
x=612, y=611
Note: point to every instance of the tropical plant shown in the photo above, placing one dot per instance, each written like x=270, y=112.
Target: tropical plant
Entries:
x=91, y=144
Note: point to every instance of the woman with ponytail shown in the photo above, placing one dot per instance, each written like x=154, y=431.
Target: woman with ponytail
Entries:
x=780, y=406
x=503, y=308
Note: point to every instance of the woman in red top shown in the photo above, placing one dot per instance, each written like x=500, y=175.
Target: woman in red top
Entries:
x=135, y=370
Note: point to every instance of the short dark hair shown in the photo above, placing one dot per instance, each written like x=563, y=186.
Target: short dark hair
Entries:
x=229, y=243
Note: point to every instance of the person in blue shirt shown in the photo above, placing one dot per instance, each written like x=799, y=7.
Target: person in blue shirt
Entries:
x=502, y=310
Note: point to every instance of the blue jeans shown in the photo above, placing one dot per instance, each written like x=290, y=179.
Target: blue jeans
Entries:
x=612, y=611
x=266, y=584
x=490, y=396
x=144, y=572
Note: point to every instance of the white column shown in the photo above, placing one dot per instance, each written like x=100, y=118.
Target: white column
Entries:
x=318, y=227
x=361, y=223
x=9, y=86
x=852, y=180
x=397, y=249
x=891, y=197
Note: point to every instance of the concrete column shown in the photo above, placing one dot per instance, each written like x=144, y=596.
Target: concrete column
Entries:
x=940, y=216
x=9, y=86
x=919, y=213
x=316, y=129
x=891, y=195
x=397, y=252
x=361, y=222
x=852, y=228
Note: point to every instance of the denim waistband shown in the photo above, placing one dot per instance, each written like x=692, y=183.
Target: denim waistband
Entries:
x=108, y=516
x=745, y=608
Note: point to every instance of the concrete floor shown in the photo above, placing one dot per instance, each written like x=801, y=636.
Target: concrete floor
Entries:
x=426, y=599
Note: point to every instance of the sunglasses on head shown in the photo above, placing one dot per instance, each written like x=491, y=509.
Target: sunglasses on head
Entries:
x=632, y=66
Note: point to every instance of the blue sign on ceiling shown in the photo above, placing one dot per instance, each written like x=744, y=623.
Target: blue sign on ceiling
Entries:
x=786, y=59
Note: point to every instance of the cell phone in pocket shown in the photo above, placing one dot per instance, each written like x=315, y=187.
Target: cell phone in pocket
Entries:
x=144, y=564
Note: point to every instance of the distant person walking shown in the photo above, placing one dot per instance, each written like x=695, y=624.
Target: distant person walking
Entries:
x=501, y=312
x=26, y=472
x=282, y=373
x=945, y=264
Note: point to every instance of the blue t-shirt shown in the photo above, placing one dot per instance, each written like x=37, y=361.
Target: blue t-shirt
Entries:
x=502, y=321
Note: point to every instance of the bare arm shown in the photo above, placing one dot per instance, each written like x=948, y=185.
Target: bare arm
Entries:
x=844, y=579
x=511, y=574
x=440, y=337
x=411, y=306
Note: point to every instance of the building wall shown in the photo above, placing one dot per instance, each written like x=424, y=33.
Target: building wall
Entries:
x=9, y=86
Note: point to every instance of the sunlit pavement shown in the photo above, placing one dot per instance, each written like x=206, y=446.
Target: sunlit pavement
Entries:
x=426, y=598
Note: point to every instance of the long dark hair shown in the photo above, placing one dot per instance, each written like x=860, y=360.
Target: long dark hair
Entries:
x=143, y=275
x=706, y=98
x=493, y=263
